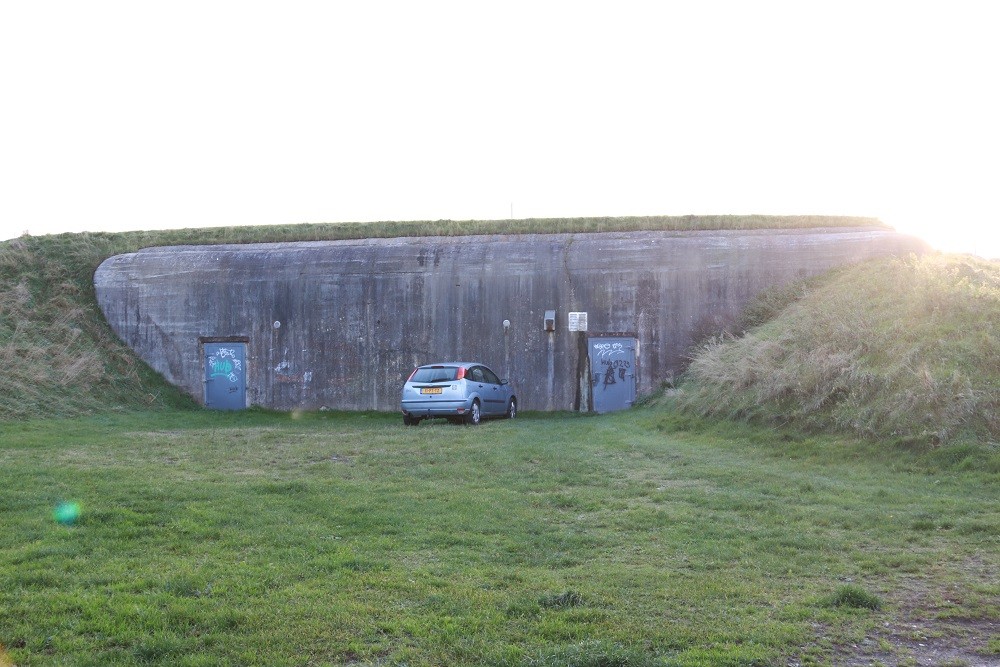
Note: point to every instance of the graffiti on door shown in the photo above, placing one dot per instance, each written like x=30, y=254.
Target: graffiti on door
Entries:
x=225, y=375
x=612, y=363
x=225, y=363
x=612, y=371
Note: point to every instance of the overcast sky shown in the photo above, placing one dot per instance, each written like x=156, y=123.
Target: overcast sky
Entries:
x=140, y=115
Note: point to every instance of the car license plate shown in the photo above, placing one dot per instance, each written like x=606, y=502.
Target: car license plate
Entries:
x=431, y=390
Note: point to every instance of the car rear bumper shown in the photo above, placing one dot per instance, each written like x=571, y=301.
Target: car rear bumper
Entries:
x=435, y=408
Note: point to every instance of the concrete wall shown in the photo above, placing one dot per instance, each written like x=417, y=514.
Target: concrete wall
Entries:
x=356, y=316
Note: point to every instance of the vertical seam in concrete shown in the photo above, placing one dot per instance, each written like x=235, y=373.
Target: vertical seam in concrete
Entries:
x=368, y=295
x=568, y=273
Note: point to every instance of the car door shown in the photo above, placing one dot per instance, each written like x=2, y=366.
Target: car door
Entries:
x=475, y=383
x=494, y=394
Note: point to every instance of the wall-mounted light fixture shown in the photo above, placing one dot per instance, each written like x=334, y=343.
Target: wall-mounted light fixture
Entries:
x=550, y=320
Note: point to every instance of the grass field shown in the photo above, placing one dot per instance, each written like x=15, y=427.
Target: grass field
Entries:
x=642, y=538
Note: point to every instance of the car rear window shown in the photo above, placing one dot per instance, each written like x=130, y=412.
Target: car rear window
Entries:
x=435, y=374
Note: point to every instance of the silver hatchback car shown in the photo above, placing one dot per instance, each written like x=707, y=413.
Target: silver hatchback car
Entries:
x=459, y=390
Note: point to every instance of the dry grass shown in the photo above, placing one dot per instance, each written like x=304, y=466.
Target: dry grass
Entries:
x=904, y=348
x=57, y=355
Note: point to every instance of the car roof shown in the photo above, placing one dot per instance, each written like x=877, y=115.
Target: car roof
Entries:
x=452, y=363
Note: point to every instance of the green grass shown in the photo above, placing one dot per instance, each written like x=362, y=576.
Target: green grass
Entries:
x=904, y=350
x=643, y=538
x=58, y=356
x=854, y=596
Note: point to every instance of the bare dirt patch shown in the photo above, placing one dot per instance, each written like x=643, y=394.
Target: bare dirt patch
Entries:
x=933, y=623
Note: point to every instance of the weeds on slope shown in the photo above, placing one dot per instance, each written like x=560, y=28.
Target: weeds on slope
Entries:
x=903, y=349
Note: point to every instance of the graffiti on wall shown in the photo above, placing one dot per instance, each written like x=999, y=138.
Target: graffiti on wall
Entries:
x=283, y=374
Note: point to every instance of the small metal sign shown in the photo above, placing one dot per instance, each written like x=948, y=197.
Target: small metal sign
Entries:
x=578, y=321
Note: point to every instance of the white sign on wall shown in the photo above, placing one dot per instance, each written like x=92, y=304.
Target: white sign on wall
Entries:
x=578, y=321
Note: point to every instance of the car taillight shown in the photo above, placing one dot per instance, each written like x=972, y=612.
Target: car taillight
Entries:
x=460, y=374
x=412, y=374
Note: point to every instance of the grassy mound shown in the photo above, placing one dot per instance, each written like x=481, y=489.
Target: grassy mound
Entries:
x=59, y=358
x=897, y=348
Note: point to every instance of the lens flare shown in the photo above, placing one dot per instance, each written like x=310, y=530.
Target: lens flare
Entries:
x=66, y=513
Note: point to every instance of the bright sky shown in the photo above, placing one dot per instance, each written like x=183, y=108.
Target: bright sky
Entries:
x=141, y=115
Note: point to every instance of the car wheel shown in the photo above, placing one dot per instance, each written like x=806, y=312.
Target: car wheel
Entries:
x=474, y=416
x=512, y=408
x=410, y=421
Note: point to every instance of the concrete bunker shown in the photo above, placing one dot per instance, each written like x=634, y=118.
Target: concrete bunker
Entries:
x=340, y=324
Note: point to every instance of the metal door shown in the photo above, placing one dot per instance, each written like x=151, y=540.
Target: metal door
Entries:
x=225, y=376
x=612, y=366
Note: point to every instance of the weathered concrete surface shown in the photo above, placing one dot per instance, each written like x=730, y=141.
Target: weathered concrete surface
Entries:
x=356, y=316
